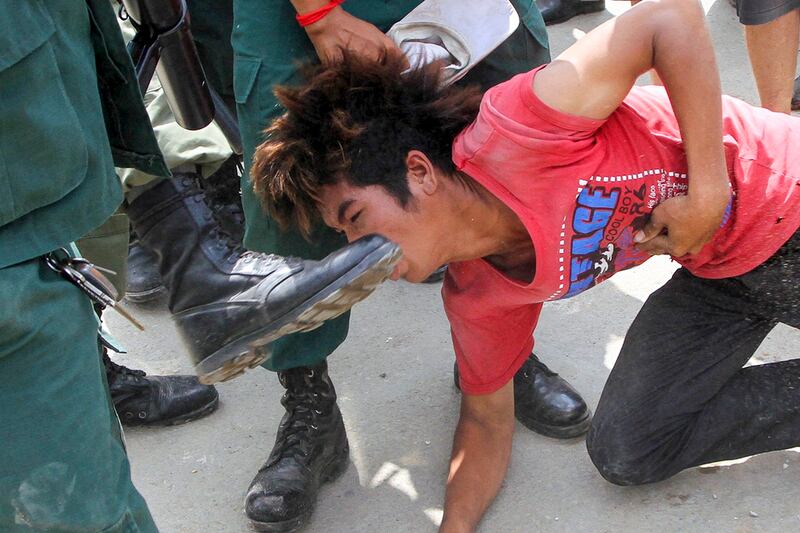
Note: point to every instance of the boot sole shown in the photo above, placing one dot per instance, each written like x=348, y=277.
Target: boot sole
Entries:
x=559, y=432
x=251, y=350
x=332, y=471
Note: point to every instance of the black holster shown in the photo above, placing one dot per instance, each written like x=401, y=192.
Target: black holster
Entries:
x=164, y=44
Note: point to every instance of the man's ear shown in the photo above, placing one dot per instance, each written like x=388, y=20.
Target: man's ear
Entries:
x=421, y=173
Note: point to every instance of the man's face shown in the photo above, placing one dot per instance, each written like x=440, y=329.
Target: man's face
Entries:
x=359, y=211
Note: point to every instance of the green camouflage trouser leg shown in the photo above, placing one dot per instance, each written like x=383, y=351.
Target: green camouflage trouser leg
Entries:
x=268, y=44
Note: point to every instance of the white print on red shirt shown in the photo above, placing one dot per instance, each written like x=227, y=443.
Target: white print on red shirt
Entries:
x=609, y=210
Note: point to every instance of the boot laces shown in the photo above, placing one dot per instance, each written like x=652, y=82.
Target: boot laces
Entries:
x=302, y=401
x=235, y=249
x=193, y=190
x=124, y=382
x=233, y=246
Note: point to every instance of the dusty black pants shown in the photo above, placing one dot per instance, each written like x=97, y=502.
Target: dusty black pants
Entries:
x=678, y=395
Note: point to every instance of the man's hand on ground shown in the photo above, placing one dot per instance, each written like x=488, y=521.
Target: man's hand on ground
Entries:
x=689, y=223
x=340, y=31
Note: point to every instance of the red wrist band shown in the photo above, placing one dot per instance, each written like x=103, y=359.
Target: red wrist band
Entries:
x=306, y=19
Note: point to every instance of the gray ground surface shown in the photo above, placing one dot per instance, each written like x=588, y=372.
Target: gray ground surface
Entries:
x=394, y=378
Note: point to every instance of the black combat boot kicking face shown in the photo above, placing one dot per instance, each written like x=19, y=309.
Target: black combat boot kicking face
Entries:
x=229, y=303
x=310, y=449
x=545, y=403
x=142, y=400
x=557, y=11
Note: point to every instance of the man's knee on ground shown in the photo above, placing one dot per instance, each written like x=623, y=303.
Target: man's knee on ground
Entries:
x=621, y=458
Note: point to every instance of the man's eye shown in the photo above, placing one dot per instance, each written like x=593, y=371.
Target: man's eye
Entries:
x=355, y=217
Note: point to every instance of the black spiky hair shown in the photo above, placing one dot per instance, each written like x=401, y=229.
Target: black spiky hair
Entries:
x=356, y=120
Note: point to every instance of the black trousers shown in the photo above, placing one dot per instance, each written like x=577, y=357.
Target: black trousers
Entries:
x=678, y=396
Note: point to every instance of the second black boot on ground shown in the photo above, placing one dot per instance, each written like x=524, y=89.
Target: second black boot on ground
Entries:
x=142, y=400
x=545, y=403
x=229, y=303
x=557, y=11
x=310, y=449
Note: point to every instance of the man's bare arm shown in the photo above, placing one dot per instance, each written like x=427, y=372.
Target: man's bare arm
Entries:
x=481, y=452
x=594, y=75
x=654, y=79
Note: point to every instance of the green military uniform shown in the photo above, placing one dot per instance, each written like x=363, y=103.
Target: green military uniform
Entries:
x=212, y=22
x=63, y=465
x=204, y=150
x=268, y=44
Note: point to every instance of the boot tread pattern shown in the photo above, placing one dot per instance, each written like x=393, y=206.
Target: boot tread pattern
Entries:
x=333, y=305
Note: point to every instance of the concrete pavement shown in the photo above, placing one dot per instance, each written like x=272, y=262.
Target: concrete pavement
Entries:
x=394, y=379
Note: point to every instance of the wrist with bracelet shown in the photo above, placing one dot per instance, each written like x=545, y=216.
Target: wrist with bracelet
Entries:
x=307, y=19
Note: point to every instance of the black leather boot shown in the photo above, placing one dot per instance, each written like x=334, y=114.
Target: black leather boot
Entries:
x=545, y=403
x=228, y=303
x=310, y=449
x=143, y=282
x=557, y=11
x=142, y=400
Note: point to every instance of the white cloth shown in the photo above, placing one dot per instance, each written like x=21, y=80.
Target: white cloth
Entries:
x=457, y=32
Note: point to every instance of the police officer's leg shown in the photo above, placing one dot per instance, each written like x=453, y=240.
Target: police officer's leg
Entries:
x=268, y=44
x=204, y=268
x=284, y=490
x=63, y=465
x=196, y=155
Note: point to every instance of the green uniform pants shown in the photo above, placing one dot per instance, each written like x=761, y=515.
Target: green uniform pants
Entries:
x=65, y=89
x=62, y=460
x=268, y=44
